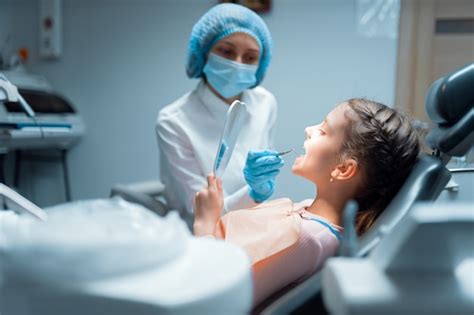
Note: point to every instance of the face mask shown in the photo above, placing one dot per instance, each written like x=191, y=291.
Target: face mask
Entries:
x=227, y=77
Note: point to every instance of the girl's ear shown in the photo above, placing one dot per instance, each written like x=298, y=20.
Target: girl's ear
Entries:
x=346, y=170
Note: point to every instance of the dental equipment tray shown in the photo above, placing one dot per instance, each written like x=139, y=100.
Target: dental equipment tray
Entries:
x=22, y=125
x=56, y=125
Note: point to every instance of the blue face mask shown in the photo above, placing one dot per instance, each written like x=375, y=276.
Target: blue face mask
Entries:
x=227, y=77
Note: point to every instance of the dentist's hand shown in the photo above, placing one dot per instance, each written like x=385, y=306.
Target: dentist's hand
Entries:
x=260, y=172
x=208, y=204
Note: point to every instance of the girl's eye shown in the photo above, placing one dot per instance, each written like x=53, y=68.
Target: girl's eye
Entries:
x=321, y=132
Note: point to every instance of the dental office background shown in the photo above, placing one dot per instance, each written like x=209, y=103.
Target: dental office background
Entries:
x=123, y=60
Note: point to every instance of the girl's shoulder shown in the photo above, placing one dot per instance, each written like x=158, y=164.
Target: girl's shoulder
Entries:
x=320, y=226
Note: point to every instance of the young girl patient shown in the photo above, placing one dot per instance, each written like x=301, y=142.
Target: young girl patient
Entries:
x=363, y=150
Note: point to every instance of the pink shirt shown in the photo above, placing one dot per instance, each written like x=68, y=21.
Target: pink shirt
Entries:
x=308, y=241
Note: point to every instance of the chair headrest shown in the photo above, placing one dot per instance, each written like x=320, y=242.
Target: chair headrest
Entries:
x=455, y=140
x=450, y=105
x=451, y=97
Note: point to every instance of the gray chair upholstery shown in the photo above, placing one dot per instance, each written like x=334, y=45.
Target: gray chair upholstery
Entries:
x=425, y=183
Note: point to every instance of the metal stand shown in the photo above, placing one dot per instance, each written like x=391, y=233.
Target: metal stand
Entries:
x=2, y=170
x=16, y=167
x=2, y=178
x=65, y=175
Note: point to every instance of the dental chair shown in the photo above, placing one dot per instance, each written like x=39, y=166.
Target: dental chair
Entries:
x=449, y=103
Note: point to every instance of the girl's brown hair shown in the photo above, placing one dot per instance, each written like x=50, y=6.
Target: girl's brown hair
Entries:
x=386, y=146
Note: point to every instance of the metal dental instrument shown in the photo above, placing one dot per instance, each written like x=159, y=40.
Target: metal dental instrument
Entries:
x=285, y=152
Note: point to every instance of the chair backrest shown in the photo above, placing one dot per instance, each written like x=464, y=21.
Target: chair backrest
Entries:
x=426, y=181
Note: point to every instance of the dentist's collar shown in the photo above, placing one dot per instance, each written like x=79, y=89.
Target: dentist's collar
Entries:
x=217, y=107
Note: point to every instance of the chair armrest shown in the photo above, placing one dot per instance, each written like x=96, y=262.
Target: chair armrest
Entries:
x=142, y=193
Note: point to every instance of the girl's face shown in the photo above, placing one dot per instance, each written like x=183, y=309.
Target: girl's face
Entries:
x=238, y=47
x=322, y=147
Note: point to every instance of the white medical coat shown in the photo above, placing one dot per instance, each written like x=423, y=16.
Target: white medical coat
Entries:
x=189, y=131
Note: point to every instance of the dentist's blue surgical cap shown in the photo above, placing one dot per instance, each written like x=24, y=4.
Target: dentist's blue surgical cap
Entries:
x=221, y=21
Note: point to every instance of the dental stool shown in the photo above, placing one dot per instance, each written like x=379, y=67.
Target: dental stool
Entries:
x=449, y=103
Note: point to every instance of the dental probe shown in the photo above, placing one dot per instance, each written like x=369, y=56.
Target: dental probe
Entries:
x=285, y=152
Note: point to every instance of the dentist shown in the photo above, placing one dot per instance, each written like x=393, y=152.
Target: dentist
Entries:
x=229, y=49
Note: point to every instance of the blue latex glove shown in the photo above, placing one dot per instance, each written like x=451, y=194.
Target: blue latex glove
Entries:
x=260, y=171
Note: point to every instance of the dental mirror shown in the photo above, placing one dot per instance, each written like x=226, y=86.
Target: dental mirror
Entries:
x=236, y=117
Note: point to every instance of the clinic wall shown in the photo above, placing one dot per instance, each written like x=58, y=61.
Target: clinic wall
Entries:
x=123, y=61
